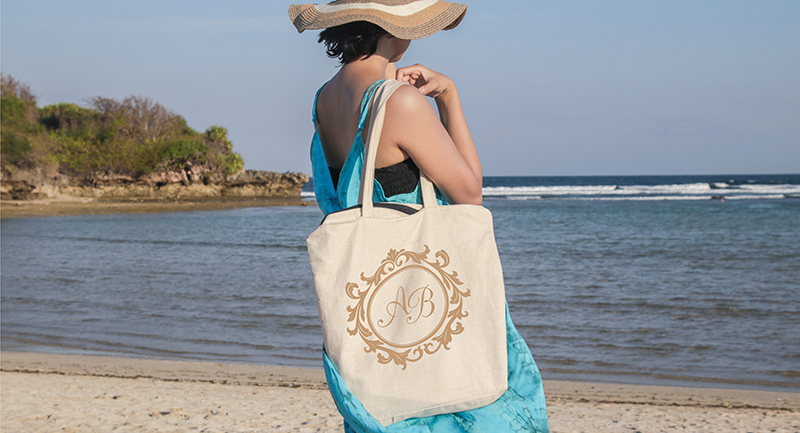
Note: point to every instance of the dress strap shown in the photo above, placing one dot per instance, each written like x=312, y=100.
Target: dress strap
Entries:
x=365, y=103
x=314, y=109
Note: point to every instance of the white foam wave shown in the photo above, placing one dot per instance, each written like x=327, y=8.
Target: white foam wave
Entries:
x=699, y=191
x=510, y=191
x=692, y=191
x=658, y=197
x=770, y=189
x=690, y=197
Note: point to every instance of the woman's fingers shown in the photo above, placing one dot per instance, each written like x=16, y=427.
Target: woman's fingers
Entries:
x=412, y=74
x=431, y=88
x=429, y=82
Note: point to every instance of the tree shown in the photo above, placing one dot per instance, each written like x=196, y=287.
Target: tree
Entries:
x=17, y=89
x=143, y=119
x=11, y=88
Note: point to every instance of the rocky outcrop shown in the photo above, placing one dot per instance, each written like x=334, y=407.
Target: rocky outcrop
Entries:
x=15, y=190
x=186, y=184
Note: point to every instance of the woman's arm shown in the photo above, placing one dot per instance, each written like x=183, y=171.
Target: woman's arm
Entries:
x=442, y=148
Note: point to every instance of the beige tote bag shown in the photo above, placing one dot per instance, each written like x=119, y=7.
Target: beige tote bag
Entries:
x=411, y=299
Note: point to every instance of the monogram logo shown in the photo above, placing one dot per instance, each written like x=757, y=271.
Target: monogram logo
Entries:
x=416, y=309
x=418, y=300
x=409, y=307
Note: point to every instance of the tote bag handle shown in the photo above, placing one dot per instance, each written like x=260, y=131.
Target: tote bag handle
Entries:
x=377, y=114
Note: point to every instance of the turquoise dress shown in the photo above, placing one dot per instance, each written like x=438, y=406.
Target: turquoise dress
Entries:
x=520, y=409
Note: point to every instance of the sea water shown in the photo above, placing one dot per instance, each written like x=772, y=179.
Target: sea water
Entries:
x=684, y=280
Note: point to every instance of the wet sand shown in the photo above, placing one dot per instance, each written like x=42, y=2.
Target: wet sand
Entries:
x=46, y=392
x=77, y=206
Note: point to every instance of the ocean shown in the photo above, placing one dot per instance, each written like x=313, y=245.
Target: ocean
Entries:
x=670, y=280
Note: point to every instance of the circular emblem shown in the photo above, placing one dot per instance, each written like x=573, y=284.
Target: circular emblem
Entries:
x=408, y=307
x=411, y=306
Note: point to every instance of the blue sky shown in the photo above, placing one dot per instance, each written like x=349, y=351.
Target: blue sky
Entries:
x=561, y=87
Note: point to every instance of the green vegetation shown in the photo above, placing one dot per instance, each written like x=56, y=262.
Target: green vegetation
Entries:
x=131, y=137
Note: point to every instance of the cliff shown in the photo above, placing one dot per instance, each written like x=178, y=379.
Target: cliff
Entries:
x=185, y=184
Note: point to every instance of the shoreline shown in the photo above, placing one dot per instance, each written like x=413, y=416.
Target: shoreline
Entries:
x=310, y=378
x=73, y=393
x=86, y=206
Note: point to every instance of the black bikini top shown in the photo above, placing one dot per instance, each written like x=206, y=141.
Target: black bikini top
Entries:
x=400, y=178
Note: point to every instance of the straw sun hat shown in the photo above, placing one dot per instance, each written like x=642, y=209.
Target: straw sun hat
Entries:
x=404, y=19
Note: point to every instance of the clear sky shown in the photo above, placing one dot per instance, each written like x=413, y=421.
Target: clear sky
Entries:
x=561, y=87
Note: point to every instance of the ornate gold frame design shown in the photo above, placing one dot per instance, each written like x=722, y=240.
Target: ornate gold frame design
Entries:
x=394, y=262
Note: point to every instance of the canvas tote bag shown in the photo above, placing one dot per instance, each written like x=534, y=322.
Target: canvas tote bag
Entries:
x=411, y=299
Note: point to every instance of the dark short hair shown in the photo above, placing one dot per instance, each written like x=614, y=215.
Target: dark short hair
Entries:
x=352, y=41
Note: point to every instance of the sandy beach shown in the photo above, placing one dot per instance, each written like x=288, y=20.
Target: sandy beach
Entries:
x=70, y=393
x=78, y=206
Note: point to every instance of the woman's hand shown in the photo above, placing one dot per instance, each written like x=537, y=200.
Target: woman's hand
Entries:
x=428, y=82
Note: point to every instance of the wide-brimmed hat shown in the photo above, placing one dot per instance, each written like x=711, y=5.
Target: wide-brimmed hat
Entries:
x=405, y=19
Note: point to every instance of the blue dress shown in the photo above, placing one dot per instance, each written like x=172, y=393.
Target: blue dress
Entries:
x=520, y=409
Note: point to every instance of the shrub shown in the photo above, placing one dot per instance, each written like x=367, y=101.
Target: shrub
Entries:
x=14, y=148
x=12, y=112
x=219, y=135
x=186, y=149
x=67, y=118
x=232, y=163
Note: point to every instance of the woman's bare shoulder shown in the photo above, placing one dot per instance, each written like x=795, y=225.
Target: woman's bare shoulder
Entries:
x=408, y=102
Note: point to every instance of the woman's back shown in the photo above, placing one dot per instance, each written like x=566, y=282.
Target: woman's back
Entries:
x=338, y=111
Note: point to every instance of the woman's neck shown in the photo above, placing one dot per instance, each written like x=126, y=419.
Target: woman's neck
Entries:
x=371, y=68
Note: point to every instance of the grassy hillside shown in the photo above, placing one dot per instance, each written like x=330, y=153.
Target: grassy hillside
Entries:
x=132, y=137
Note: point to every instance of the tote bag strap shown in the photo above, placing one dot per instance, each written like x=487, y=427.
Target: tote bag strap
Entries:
x=377, y=114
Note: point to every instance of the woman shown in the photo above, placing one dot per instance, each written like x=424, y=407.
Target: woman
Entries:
x=368, y=38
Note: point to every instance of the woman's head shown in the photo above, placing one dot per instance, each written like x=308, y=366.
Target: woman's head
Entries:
x=352, y=41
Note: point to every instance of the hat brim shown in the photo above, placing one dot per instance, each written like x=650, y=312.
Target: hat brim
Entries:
x=438, y=15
